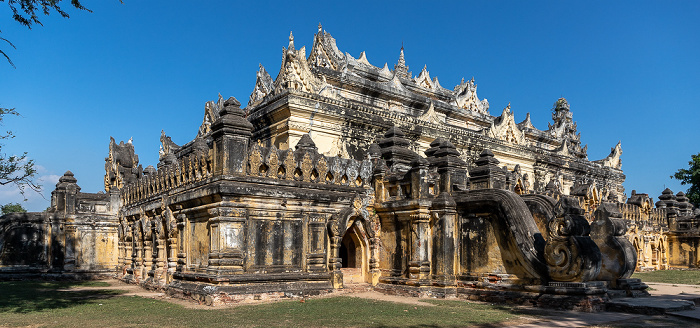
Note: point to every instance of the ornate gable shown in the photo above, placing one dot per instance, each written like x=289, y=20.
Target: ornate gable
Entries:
x=527, y=123
x=423, y=79
x=613, y=160
x=504, y=128
x=432, y=116
x=211, y=113
x=263, y=87
x=324, y=52
x=465, y=97
x=295, y=73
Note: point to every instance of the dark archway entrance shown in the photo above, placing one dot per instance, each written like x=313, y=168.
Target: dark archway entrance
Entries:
x=353, y=253
x=349, y=253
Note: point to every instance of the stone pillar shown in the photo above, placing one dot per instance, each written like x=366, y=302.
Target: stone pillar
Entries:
x=444, y=211
x=419, y=265
x=378, y=172
x=128, y=248
x=138, y=250
x=374, y=243
x=334, y=260
x=58, y=242
x=121, y=245
x=120, y=257
x=148, y=247
x=160, y=259
x=227, y=248
x=181, y=253
x=71, y=240
x=231, y=133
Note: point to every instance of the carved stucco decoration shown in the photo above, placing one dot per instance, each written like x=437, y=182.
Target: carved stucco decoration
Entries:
x=465, y=97
x=170, y=221
x=122, y=165
x=423, y=80
x=343, y=220
x=432, y=116
x=613, y=160
x=306, y=167
x=570, y=253
x=504, y=128
x=289, y=165
x=167, y=149
x=273, y=162
x=211, y=114
x=255, y=160
x=337, y=170
x=263, y=87
x=295, y=72
x=608, y=231
x=322, y=169
x=352, y=172
x=324, y=52
x=564, y=129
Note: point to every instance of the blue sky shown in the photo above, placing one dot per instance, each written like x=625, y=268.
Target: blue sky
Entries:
x=628, y=69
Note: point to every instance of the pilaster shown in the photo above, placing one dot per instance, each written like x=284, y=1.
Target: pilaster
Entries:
x=227, y=227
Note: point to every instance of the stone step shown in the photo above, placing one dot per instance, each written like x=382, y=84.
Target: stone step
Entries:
x=649, y=305
x=352, y=275
x=687, y=314
x=357, y=287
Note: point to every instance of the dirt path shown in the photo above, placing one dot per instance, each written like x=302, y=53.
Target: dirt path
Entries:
x=135, y=290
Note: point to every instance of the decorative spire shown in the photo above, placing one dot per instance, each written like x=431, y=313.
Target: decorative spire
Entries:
x=291, y=41
x=320, y=28
x=400, y=68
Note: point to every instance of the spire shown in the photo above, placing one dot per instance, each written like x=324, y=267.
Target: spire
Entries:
x=320, y=27
x=400, y=68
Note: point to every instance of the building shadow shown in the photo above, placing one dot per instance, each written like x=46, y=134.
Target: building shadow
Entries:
x=35, y=296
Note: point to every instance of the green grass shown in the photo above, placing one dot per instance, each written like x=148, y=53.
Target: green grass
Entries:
x=49, y=304
x=687, y=277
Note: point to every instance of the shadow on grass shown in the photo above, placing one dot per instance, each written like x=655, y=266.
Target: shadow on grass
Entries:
x=33, y=296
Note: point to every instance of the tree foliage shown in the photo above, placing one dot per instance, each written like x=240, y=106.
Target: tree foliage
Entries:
x=12, y=208
x=26, y=12
x=691, y=176
x=16, y=169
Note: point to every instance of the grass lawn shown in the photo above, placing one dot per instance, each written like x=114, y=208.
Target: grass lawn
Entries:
x=687, y=277
x=49, y=304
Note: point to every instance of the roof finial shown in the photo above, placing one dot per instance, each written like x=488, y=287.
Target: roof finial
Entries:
x=400, y=68
x=291, y=41
x=320, y=28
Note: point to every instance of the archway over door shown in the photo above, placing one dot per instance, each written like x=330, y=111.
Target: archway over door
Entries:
x=354, y=254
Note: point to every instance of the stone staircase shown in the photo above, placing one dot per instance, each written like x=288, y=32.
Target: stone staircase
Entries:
x=353, y=281
x=633, y=299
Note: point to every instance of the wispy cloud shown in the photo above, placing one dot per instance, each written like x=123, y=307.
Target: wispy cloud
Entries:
x=31, y=200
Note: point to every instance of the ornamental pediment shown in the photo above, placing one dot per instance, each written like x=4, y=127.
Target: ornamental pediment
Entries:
x=504, y=128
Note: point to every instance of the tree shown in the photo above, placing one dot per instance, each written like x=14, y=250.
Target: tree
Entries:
x=26, y=13
x=14, y=169
x=691, y=176
x=12, y=208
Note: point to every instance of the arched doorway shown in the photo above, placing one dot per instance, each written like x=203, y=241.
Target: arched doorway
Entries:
x=640, y=254
x=354, y=254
